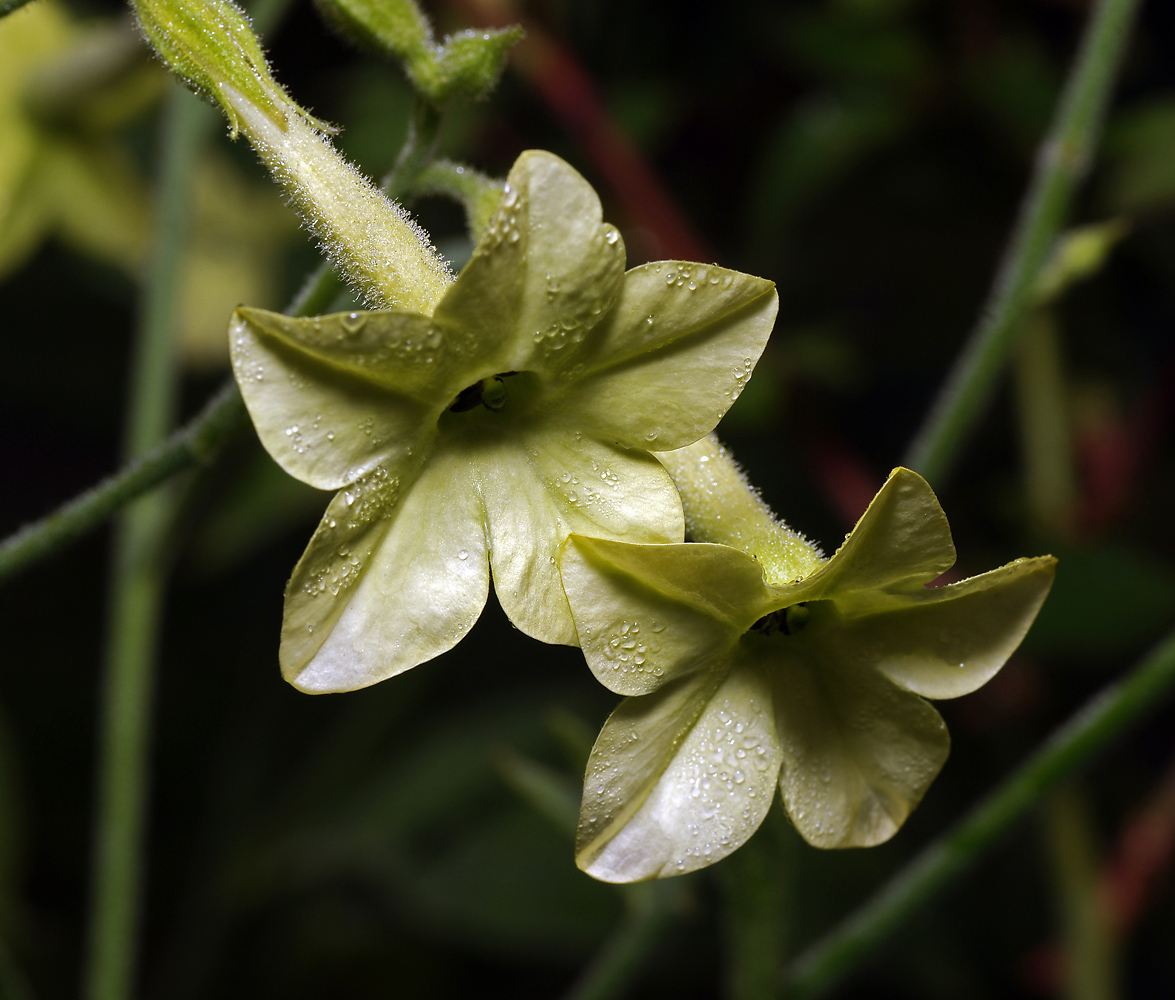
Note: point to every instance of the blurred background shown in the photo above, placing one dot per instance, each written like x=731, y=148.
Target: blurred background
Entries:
x=415, y=839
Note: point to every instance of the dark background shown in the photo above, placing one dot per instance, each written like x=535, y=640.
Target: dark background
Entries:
x=866, y=155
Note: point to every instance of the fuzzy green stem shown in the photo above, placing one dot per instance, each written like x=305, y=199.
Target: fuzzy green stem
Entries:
x=1061, y=163
x=830, y=960
x=721, y=506
x=478, y=193
x=138, y=580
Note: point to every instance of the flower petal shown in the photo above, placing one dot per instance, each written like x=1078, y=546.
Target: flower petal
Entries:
x=324, y=419
x=674, y=354
x=403, y=352
x=858, y=752
x=902, y=541
x=680, y=778
x=949, y=641
x=646, y=614
x=394, y=576
x=540, y=486
x=545, y=272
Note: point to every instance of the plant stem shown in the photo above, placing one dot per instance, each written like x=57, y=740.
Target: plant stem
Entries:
x=138, y=579
x=1062, y=161
x=827, y=962
x=476, y=192
x=192, y=444
x=195, y=443
x=1090, y=966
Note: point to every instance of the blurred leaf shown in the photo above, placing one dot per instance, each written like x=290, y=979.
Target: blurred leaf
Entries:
x=99, y=200
x=551, y=794
x=836, y=44
x=1017, y=85
x=815, y=147
x=507, y=886
x=1106, y=598
x=1080, y=253
x=61, y=173
x=241, y=231
x=377, y=108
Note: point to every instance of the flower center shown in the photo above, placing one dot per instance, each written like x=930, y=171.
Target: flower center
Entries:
x=789, y=621
x=489, y=392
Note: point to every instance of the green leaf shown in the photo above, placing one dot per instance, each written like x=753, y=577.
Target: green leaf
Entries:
x=467, y=64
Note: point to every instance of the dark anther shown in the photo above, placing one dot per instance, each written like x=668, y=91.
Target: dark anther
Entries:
x=789, y=621
x=489, y=392
x=467, y=398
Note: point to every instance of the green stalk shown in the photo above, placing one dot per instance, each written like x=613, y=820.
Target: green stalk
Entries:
x=138, y=580
x=1090, y=955
x=826, y=963
x=1062, y=162
x=193, y=444
x=189, y=446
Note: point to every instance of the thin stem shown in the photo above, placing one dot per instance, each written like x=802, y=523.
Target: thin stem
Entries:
x=827, y=962
x=195, y=443
x=419, y=150
x=138, y=580
x=477, y=193
x=1061, y=163
x=1090, y=969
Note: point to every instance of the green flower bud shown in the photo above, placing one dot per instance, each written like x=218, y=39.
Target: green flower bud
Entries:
x=467, y=64
x=211, y=45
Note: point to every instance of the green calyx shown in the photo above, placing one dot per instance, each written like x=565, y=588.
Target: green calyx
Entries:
x=465, y=65
x=211, y=45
